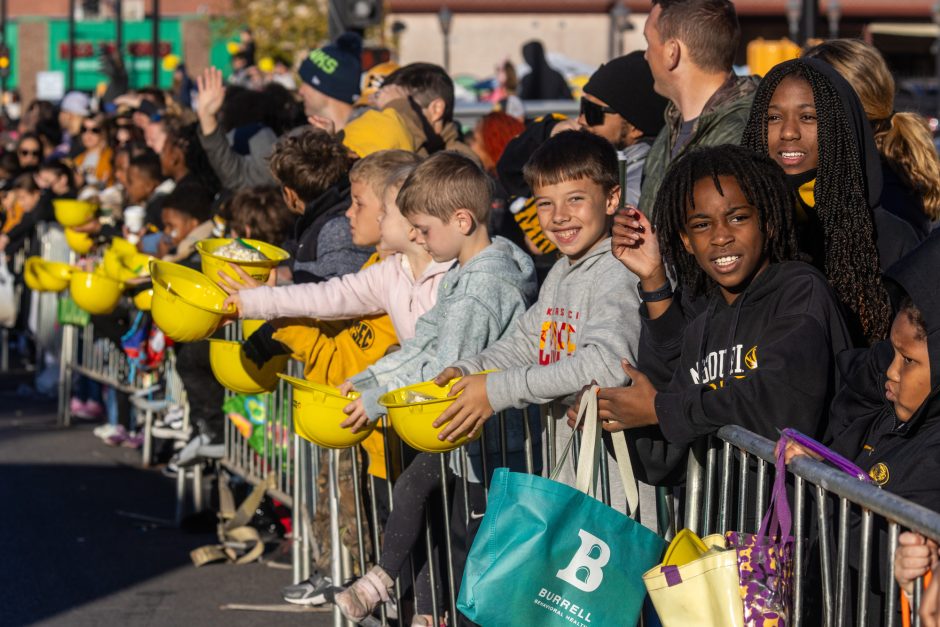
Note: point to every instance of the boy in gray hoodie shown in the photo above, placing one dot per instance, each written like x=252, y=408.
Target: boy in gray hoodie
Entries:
x=585, y=319
x=447, y=199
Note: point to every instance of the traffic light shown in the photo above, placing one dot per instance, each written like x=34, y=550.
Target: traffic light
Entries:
x=361, y=14
x=5, y=62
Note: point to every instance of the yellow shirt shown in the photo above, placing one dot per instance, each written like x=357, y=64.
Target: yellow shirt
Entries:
x=333, y=351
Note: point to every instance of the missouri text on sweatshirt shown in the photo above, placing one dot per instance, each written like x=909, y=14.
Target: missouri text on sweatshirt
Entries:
x=584, y=323
x=765, y=362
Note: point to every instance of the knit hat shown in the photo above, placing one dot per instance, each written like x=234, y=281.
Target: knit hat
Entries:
x=334, y=69
x=76, y=102
x=626, y=85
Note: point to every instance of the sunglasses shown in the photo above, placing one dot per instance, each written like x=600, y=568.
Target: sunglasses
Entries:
x=92, y=129
x=594, y=113
x=28, y=153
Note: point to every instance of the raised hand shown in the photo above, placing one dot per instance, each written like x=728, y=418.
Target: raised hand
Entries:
x=210, y=98
x=634, y=243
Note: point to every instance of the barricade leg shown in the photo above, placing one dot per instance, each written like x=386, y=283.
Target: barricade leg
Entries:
x=694, y=484
x=297, y=519
x=891, y=607
x=66, y=358
x=336, y=566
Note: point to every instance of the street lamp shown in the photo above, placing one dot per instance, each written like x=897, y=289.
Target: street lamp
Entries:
x=834, y=11
x=794, y=9
x=445, y=16
x=619, y=22
x=936, y=51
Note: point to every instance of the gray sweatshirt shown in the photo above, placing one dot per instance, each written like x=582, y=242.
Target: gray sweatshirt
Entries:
x=586, y=319
x=237, y=171
x=476, y=305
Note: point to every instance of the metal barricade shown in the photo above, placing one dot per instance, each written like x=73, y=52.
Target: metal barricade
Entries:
x=278, y=451
x=728, y=488
x=721, y=474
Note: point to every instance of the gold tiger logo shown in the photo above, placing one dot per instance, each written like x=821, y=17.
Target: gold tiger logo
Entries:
x=879, y=473
x=750, y=358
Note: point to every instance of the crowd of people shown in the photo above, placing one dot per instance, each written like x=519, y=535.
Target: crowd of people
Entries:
x=710, y=249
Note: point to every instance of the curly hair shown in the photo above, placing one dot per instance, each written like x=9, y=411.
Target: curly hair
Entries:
x=851, y=260
x=309, y=162
x=763, y=184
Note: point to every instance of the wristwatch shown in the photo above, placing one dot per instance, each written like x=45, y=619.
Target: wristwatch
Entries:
x=663, y=293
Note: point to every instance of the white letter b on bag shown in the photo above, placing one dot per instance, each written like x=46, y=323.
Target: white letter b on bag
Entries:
x=585, y=571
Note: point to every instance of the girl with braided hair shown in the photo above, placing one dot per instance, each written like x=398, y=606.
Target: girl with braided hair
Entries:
x=810, y=121
x=762, y=353
x=909, y=160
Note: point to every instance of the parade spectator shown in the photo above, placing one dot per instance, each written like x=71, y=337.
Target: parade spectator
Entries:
x=909, y=162
x=809, y=120
x=542, y=82
x=690, y=49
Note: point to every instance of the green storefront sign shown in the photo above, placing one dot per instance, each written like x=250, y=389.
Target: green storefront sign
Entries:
x=91, y=37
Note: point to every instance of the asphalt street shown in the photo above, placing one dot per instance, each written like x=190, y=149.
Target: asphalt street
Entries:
x=77, y=547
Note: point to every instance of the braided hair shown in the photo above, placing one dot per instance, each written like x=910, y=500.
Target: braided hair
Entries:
x=764, y=186
x=851, y=260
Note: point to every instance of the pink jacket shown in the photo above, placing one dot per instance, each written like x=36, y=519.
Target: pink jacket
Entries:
x=386, y=287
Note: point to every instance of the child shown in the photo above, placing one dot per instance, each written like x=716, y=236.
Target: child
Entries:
x=312, y=167
x=811, y=122
x=187, y=218
x=578, y=330
x=404, y=286
x=886, y=417
x=145, y=186
x=762, y=353
x=447, y=199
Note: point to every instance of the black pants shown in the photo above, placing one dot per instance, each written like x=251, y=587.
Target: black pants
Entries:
x=417, y=491
x=204, y=393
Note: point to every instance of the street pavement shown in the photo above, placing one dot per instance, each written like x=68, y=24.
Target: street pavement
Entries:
x=74, y=550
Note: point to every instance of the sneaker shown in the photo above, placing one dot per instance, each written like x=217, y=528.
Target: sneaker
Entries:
x=106, y=430
x=189, y=455
x=358, y=601
x=317, y=590
x=172, y=419
x=118, y=438
x=133, y=440
x=115, y=436
x=171, y=470
x=90, y=410
x=76, y=406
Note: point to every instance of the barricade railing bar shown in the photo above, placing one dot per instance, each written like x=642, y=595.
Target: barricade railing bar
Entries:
x=728, y=500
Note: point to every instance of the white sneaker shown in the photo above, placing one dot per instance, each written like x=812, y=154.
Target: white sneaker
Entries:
x=106, y=431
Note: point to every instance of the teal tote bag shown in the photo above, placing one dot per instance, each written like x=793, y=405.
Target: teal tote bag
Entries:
x=550, y=555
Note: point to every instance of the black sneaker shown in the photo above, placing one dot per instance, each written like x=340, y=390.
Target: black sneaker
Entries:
x=318, y=590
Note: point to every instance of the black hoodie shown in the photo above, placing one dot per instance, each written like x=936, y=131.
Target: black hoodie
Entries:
x=322, y=247
x=893, y=236
x=765, y=362
x=903, y=457
x=542, y=82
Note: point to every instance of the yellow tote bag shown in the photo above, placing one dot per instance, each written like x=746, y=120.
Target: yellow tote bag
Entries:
x=697, y=583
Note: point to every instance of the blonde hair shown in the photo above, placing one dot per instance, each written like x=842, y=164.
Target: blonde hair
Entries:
x=903, y=139
x=444, y=183
x=374, y=169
